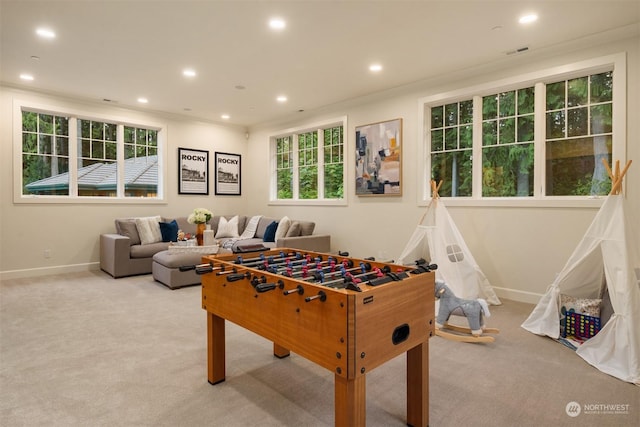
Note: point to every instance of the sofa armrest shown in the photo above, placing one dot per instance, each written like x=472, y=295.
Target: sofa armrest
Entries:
x=114, y=254
x=314, y=242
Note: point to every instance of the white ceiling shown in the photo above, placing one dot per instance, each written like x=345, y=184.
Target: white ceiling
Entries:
x=122, y=50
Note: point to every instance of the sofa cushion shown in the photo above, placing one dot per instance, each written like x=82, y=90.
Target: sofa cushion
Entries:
x=147, y=251
x=242, y=220
x=270, y=232
x=306, y=228
x=283, y=227
x=169, y=231
x=251, y=227
x=294, y=229
x=183, y=224
x=262, y=226
x=149, y=229
x=227, y=228
x=127, y=227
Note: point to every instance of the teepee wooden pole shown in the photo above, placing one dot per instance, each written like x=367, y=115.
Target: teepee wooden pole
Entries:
x=434, y=196
x=617, y=187
x=609, y=172
x=617, y=176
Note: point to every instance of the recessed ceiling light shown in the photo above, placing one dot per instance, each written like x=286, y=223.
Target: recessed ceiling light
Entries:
x=277, y=24
x=188, y=72
x=375, y=67
x=28, y=77
x=527, y=19
x=225, y=116
x=143, y=100
x=45, y=33
x=281, y=98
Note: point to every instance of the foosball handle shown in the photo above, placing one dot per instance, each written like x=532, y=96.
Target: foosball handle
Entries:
x=321, y=295
x=238, y=276
x=265, y=287
x=299, y=289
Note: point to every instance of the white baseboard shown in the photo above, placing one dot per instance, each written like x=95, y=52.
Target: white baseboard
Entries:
x=517, y=295
x=48, y=271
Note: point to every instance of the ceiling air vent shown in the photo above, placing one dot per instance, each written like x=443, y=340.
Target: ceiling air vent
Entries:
x=519, y=50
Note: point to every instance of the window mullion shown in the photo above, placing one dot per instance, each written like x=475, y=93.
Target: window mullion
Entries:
x=74, y=146
x=476, y=192
x=296, y=168
x=539, y=132
x=120, y=172
x=320, y=163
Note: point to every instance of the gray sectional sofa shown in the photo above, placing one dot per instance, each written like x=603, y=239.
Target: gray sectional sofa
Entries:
x=123, y=254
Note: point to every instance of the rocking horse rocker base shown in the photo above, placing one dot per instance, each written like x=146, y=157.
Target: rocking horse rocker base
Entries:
x=473, y=310
x=468, y=336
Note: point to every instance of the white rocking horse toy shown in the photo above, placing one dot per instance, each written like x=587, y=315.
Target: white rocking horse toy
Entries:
x=473, y=310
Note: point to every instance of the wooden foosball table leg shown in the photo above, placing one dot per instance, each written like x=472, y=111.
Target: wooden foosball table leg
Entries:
x=215, y=349
x=280, y=352
x=350, y=401
x=418, y=386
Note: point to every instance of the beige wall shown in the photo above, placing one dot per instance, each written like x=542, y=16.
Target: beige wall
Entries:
x=71, y=231
x=519, y=249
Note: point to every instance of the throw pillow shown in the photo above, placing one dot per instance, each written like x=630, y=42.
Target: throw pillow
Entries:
x=270, y=232
x=283, y=227
x=294, y=229
x=127, y=227
x=227, y=228
x=306, y=228
x=250, y=230
x=149, y=229
x=590, y=307
x=169, y=231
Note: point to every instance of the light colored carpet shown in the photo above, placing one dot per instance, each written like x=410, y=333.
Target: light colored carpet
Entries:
x=87, y=350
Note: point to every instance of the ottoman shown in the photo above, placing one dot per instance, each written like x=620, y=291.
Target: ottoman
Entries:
x=165, y=268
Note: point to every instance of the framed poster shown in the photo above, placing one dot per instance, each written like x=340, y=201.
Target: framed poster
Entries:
x=227, y=174
x=379, y=159
x=193, y=171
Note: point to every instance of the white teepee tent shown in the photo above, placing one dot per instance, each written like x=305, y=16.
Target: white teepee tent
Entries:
x=437, y=240
x=609, y=248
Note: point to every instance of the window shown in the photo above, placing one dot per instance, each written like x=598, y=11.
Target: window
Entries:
x=542, y=138
x=284, y=167
x=45, y=153
x=309, y=164
x=451, y=147
x=97, y=155
x=68, y=157
x=579, y=135
x=141, y=160
x=507, y=143
x=334, y=162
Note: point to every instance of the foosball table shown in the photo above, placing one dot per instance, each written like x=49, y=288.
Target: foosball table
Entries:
x=345, y=314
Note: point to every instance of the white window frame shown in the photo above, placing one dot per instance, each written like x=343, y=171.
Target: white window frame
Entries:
x=74, y=115
x=615, y=62
x=293, y=133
